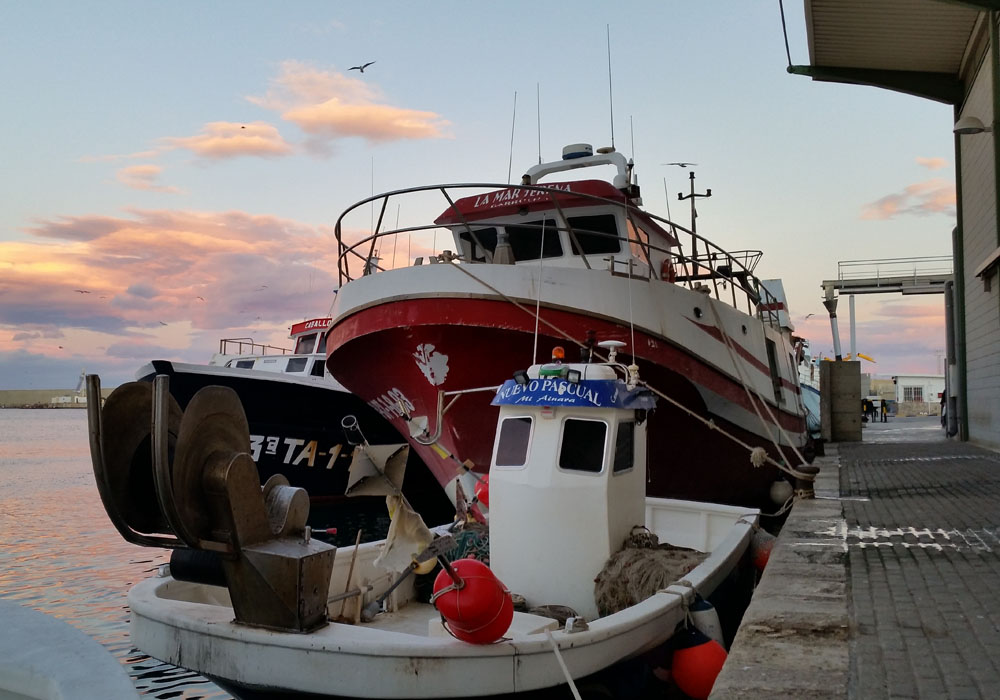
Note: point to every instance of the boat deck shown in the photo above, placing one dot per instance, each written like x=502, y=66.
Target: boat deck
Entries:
x=884, y=586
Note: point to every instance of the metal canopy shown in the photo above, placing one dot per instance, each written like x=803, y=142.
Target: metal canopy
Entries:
x=911, y=46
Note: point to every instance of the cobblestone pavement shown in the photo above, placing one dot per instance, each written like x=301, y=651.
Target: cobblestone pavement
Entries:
x=923, y=535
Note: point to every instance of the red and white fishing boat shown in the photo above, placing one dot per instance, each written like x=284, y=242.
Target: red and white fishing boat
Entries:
x=572, y=264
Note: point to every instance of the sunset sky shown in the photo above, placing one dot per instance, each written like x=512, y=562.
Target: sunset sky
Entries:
x=172, y=171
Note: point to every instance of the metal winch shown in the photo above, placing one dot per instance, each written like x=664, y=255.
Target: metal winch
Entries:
x=186, y=481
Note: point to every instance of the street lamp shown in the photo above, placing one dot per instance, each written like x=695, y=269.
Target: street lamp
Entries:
x=970, y=125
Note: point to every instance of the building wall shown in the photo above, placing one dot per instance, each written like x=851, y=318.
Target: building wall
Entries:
x=979, y=236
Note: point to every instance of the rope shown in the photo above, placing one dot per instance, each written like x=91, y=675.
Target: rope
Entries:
x=562, y=664
x=746, y=387
x=677, y=404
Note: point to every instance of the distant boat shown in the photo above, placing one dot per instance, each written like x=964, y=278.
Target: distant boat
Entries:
x=295, y=408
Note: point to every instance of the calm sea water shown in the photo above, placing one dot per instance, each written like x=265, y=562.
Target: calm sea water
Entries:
x=59, y=553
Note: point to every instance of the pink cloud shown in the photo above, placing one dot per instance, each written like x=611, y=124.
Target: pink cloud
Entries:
x=206, y=270
x=144, y=177
x=219, y=140
x=329, y=105
x=934, y=196
x=932, y=163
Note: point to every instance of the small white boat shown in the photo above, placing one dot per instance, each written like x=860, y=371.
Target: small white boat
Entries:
x=566, y=489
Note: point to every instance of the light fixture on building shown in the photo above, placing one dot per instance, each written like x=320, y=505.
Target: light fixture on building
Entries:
x=970, y=125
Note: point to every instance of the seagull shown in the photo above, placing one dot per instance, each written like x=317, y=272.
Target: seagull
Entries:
x=162, y=323
x=680, y=165
x=807, y=316
x=82, y=291
x=361, y=67
x=202, y=298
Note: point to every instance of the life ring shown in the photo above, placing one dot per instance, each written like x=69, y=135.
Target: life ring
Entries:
x=668, y=273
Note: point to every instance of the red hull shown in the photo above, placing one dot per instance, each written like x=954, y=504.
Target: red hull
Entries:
x=374, y=354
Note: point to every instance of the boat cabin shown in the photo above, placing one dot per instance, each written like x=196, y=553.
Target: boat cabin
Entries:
x=307, y=358
x=570, y=224
x=567, y=479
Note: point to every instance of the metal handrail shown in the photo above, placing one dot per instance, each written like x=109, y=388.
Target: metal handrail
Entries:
x=732, y=270
x=255, y=348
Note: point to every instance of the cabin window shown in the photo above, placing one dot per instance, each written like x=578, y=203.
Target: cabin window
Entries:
x=582, y=446
x=487, y=238
x=512, y=446
x=317, y=370
x=296, y=364
x=244, y=364
x=596, y=234
x=304, y=345
x=322, y=343
x=526, y=239
x=624, y=447
x=772, y=361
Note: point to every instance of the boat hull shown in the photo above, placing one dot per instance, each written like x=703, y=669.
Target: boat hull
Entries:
x=421, y=346
x=295, y=430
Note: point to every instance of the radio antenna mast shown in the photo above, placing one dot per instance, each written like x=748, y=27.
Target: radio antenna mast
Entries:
x=538, y=113
x=510, y=159
x=611, y=96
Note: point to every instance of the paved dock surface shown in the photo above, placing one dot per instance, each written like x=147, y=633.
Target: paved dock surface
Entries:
x=887, y=585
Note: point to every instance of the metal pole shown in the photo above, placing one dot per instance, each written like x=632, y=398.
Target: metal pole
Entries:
x=854, y=345
x=831, y=306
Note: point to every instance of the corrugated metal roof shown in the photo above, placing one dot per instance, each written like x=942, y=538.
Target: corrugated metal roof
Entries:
x=908, y=35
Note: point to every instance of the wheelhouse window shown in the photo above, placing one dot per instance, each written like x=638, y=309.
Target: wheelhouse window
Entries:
x=512, y=446
x=304, y=345
x=244, y=364
x=596, y=234
x=624, y=447
x=296, y=364
x=772, y=361
x=582, y=447
x=317, y=370
x=487, y=241
x=322, y=343
x=527, y=239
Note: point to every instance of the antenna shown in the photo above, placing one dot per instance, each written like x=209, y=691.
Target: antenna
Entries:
x=510, y=159
x=631, y=133
x=538, y=110
x=395, y=238
x=611, y=95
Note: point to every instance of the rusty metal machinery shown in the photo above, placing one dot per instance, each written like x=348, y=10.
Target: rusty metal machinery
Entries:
x=185, y=480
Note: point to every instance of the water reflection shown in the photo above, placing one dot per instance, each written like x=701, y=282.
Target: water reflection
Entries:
x=59, y=553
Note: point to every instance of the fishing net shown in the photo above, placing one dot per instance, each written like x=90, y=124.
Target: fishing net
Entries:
x=641, y=568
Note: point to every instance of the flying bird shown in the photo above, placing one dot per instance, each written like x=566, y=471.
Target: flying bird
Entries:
x=162, y=323
x=807, y=316
x=202, y=298
x=361, y=67
x=82, y=291
x=680, y=165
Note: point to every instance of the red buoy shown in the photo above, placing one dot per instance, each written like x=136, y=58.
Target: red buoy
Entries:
x=761, y=544
x=697, y=662
x=483, y=490
x=480, y=612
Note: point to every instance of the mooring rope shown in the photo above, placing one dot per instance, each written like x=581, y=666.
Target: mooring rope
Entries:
x=707, y=421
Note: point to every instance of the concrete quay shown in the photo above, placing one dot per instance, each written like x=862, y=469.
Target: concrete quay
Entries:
x=885, y=585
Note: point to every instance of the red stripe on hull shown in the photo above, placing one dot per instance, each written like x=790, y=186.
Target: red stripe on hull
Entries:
x=373, y=354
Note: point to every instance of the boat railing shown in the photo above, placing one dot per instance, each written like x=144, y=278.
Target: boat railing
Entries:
x=247, y=346
x=727, y=276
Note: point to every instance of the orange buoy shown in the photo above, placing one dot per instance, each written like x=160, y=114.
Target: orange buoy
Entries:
x=480, y=610
x=697, y=662
x=761, y=545
x=483, y=490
